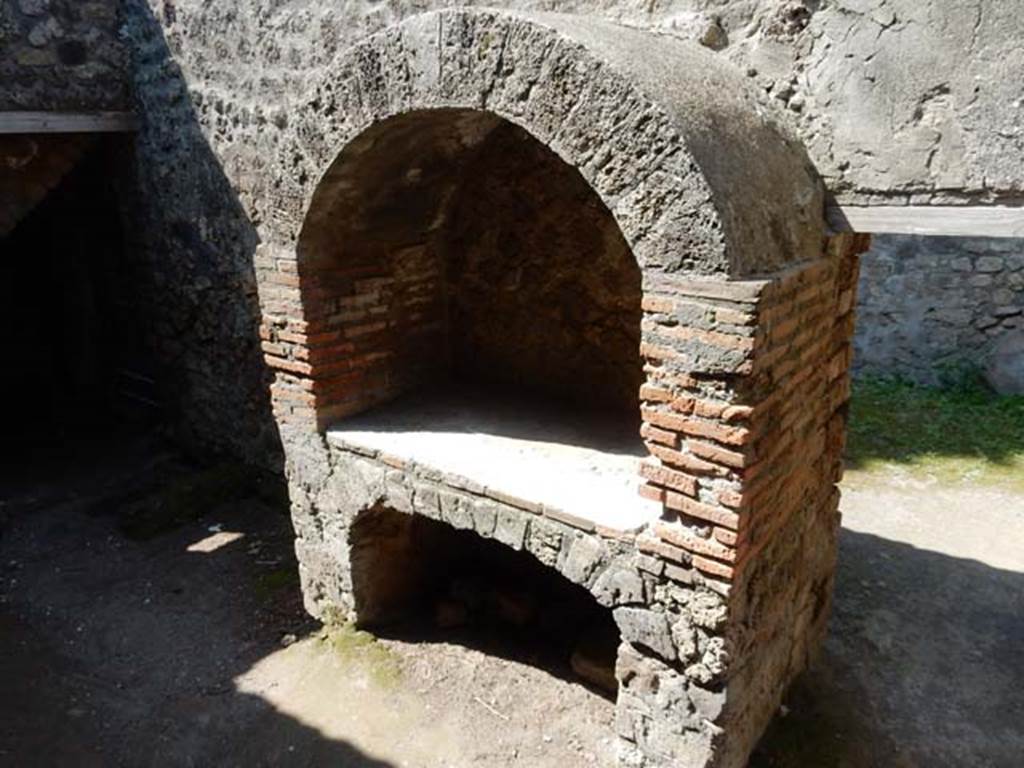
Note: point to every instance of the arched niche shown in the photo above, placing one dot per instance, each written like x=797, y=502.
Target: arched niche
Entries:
x=450, y=248
x=471, y=304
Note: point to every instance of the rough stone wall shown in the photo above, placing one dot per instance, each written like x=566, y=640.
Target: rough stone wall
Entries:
x=915, y=100
x=934, y=303
x=61, y=55
x=194, y=245
x=904, y=97
x=544, y=292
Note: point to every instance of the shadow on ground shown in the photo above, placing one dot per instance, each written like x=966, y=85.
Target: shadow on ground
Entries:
x=923, y=666
x=124, y=651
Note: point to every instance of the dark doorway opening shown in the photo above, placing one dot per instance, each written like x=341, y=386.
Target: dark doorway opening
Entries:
x=76, y=360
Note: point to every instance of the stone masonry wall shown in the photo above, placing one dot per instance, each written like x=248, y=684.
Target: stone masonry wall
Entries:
x=929, y=303
x=193, y=242
x=62, y=55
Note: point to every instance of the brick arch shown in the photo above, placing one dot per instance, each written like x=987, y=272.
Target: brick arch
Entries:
x=514, y=568
x=536, y=78
x=383, y=539
x=400, y=546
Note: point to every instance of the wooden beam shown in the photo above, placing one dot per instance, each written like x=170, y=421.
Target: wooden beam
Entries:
x=67, y=122
x=973, y=220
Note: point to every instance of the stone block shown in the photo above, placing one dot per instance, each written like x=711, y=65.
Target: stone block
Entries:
x=648, y=629
x=456, y=510
x=1004, y=369
x=485, y=517
x=618, y=584
x=583, y=555
x=427, y=502
x=544, y=541
x=510, y=528
x=989, y=264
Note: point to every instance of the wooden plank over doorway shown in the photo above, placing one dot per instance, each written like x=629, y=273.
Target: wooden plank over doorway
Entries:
x=962, y=220
x=67, y=122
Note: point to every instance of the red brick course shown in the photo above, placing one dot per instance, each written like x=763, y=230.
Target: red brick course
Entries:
x=772, y=432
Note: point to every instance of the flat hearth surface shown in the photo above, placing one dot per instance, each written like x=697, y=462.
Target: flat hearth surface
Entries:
x=582, y=463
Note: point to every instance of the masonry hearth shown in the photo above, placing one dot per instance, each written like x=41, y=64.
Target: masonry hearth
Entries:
x=521, y=294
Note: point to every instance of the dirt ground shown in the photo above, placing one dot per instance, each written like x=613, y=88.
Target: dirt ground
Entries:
x=148, y=618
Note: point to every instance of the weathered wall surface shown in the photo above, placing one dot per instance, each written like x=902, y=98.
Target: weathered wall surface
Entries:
x=61, y=55
x=921, y=99
x=194, y=244
x=927, y=303
x=544, y=291
x=912, y=97
x=918, y=100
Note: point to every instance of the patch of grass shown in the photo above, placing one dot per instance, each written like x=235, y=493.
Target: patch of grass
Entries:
x=354, y=646
x=955, y=433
